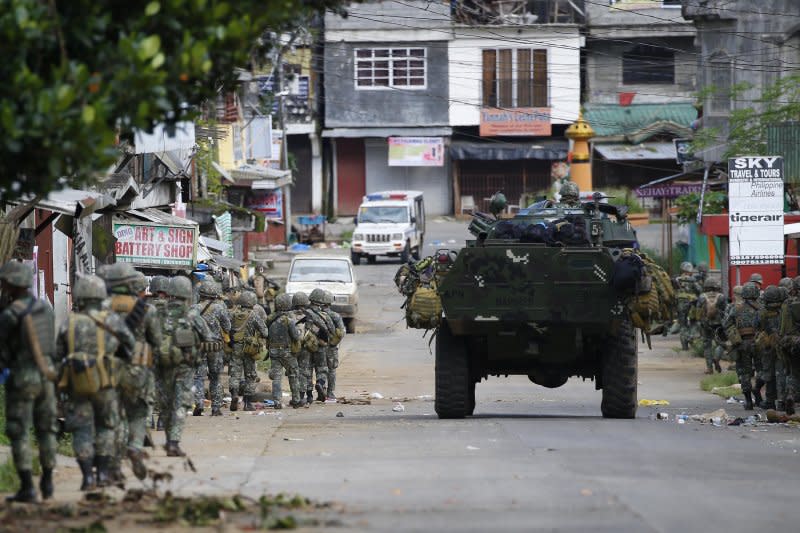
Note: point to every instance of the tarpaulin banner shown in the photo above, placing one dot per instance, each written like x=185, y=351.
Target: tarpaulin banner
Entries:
x=155, y=245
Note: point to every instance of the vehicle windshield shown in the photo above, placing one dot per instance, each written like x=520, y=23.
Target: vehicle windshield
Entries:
x=320, y=270
x=383, y=213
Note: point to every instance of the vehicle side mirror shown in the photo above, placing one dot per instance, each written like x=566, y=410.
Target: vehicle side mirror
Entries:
x=413, y=220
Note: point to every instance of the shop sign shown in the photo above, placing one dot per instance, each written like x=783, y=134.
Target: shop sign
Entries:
x=270, y=203
x=416, y=152
x=519, y=121
x=668, y=190
x=755, y=218
x=155, y=245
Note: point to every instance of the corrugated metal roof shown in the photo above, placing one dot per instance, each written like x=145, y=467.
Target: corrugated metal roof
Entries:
x=784, y=140
x=627, y=152
x=156, y=216
x=611, y=119
x=433, y=131
x=66, y=201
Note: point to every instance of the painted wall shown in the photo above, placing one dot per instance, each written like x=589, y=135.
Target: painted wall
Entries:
x=563, y=63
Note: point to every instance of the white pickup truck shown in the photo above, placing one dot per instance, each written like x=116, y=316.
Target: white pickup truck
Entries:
x=390, y=223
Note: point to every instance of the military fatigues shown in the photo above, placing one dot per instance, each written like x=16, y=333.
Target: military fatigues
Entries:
x=177, y=375
x=137, y=379
x=211, y=363
x=790, y=349
x=332, y=350
x=282, y=332
x=316, y=365
x=688, y=291
x=242, y=375
x=769, y=324
x=744, y=320
x=30, y=396
x=94, y=420
x=711, y=307
x=265, y=291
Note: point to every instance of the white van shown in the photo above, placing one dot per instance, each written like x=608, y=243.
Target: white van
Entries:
x=390, y=223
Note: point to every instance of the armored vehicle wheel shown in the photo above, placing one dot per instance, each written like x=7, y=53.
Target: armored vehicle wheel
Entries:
x=455, y=390
x=620, y=372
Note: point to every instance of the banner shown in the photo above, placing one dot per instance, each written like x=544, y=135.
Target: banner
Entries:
x=222, y=225
x=269, y=202
x=755, y=218
x=521, y=121
x=416, y=152
x=154, y=245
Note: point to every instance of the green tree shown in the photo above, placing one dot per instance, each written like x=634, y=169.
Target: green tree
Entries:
x=80, y=74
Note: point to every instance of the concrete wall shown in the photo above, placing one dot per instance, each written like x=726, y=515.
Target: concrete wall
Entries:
x=563, y=59
x=346, y=106
x=604, y=73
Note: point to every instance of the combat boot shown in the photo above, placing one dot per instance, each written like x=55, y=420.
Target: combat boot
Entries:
x=103, y=473
x=709, y=370
x=780, y=405
x=789, y=406
x=216, y=411
x=309, y=396
x=248, y=403
x=772, y=394
x=234, y=403
x=757, y=398
x=88, y=482
x=160, y=424
x=748, y=401
x=277, y=405
x=320, y=388
x=198, y=411
x=137, y=463
x=46, y=483
x=174, y=450
x=26, y=492
x=717, y=367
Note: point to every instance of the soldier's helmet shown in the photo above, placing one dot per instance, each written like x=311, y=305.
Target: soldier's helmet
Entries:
x=796, y=283
x=89, y=288
x=208, y=289
x=737, y=290
x=119, y=277
x=711, y=284
x=702, y=267
x=774, y=294
x=283, y=302
x=180, y=287
x=569, y=192
x=159, y=284
x=750, y=291
x=686, y=266
x=139, y=282
x=17, y=274
x=317, y=296
x=757, y=278
x=328, y=298
x=300, y=299
x=786, y=283
x=248, y=299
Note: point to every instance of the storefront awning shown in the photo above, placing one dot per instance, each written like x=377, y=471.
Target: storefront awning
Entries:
x=550, y=149
x=435, y=131
x=158, y=217
x=67, y=201
x=631, y=152
x=260, y=177
x=227, y=262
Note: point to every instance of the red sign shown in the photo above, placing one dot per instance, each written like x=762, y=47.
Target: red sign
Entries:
x=520, y=121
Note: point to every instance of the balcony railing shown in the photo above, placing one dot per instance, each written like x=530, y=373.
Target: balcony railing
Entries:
x=518, y=12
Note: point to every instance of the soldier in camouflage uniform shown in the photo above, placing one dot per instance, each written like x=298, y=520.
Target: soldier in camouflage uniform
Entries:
x=211, y=362
x=569, y=195
x=250, y=328
x=265, y=289
x=769, y=323
x=701, y=273
x=319, y=325
x=321, y=301
x=711, y=309
x=781, y=366
x=687, y=293
x=185, y=332
x=305, y=355
x=283, y=332
x=741, y=326
x=26, y=328
x=159, y=299
x=136, y=385
x=789, y=345
x=94, y=419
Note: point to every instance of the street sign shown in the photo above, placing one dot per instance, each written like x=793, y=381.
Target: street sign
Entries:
x=755, y=219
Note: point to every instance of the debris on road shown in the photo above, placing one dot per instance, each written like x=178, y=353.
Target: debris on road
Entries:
x=293, y=439
x=652, y=403
x=354, y=401
x=398, y=408
x=706, y=418
x=472, y=448
x=734, y=400
x=340, y=415
x=376, y=396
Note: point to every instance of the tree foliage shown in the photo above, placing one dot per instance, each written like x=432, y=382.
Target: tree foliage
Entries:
x=80, y=74
x=714, y=203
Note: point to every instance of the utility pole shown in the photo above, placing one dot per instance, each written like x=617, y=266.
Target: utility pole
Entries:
x=287, y=189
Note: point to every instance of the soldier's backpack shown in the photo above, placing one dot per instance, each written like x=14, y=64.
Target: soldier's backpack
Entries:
x=709, y=312
x=178, y=339
x=251, y=346
x=38, y=328
x=424, y=308
x=85, y=374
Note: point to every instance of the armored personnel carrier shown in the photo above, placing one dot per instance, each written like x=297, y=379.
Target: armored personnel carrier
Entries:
x=533, y=296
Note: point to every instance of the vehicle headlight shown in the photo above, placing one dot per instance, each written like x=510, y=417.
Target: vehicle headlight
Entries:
x=358, y=237
x=341, y=298
x=397, y=236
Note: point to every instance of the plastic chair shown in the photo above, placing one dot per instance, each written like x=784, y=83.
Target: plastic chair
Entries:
x=467, y=204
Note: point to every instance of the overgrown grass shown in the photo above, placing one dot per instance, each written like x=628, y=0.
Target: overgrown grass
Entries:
x=347, y=235
x=726, y=379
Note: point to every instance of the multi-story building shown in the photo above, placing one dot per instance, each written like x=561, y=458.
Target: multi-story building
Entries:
x=639, y=88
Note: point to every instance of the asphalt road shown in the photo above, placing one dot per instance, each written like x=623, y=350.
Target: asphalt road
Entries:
x=531, y=458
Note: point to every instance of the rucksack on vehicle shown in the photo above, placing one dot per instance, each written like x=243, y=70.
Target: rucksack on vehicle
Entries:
x=424, y=308
x=85, y=374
